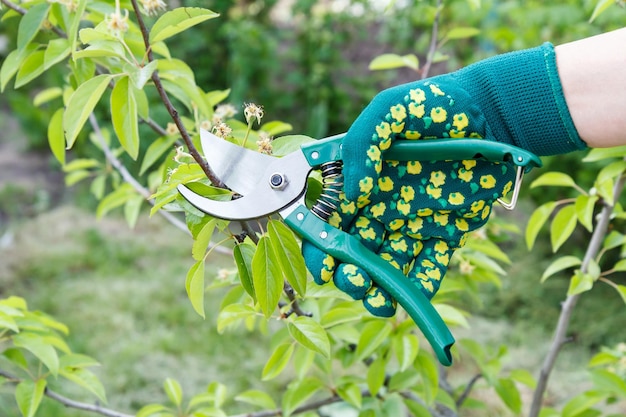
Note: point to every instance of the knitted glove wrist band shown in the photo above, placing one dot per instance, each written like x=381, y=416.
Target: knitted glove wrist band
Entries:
x=521, y=97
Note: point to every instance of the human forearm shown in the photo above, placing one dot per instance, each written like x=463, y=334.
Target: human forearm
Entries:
x=594, y=84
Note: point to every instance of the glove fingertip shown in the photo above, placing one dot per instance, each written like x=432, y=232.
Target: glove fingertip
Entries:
x=379, y=303
x=352, y=280
x=320, y=264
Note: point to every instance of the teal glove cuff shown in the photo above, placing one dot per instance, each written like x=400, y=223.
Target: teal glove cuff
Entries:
x=521, y=97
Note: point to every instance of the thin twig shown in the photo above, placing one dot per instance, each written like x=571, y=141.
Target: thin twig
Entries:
x=23, y=11
x=567, y=308
x=468, y=389
x=433, y=42
x=295, y=306
x=67, y=402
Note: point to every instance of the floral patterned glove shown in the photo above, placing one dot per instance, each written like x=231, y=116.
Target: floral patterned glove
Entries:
x=416, y=214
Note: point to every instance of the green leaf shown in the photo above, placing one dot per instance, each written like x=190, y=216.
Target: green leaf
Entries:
x=156, y=151
x=609, y=382
x=560, y=264
x=256, y=398
x=417, y=409
x=392, y=61
x=178, y=20
x=562, y=226
x=201, y=243
x=243, y=254
x=174, y=391
x=585, y=205
x=86, y=379
x=598, y=154
x=340, y=315
x=46, y=95
x=601, y=7
x=266, y=277
x=81, y=104
x=621, y=290
x=581, y=403
x=580, y=283
x=310, y=334
x=373, y=335
x=288, y=255
x=7, y=322
x=140, y=76
x=275, y=127
x=427, y=368
x=298, y=392
x=613, y=240
x=150, y=409
x=72, y=34
x=606, y=190
x=38, y=346
x=554, y=179
x=31, y=23
x=406, y=348
x=115, y=199
x=451, y=315
x=194, y=284
x=76, y=360
x=12, y=64
x=277, y=361
x=124, y=116
x=56, y=51
x=31, y=68
x=376, y=375
x=132, y=209
x=524, y=377
x=233, y=313
x=351, y=393
x=56, y=139
x=509, y=393
x=536, y=222
x=462, y=33
x=28, y=395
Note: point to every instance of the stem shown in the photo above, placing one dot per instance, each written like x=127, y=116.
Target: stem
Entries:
x=567, y=308
x=433, y=42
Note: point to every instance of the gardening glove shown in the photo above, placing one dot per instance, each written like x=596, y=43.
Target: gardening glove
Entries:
x=415, y=214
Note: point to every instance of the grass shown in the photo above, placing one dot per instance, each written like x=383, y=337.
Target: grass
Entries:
x=122, y=294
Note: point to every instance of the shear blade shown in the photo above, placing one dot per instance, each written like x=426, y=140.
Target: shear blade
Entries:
x=236, y=166
x=266, y=196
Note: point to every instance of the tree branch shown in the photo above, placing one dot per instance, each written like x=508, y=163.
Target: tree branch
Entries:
x=23, y=11
x=468, y=389
x=170, y=107
x=567, y=308
x=215, y=180
x=94, y=408
x=433, y=42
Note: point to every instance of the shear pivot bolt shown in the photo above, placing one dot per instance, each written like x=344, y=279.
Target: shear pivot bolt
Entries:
x=324, y=235
x=278, y=181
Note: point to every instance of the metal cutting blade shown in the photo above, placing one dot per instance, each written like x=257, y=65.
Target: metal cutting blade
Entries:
x=239, y=168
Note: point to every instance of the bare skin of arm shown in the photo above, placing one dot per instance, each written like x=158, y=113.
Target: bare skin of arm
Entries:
x=593, y=76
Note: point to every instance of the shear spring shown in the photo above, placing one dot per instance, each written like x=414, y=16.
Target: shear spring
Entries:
x=332, y=184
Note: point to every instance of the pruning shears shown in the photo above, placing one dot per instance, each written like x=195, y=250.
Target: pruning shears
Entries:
x=269, y=184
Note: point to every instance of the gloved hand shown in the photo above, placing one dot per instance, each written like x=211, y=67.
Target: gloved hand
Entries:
x=416, y=214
